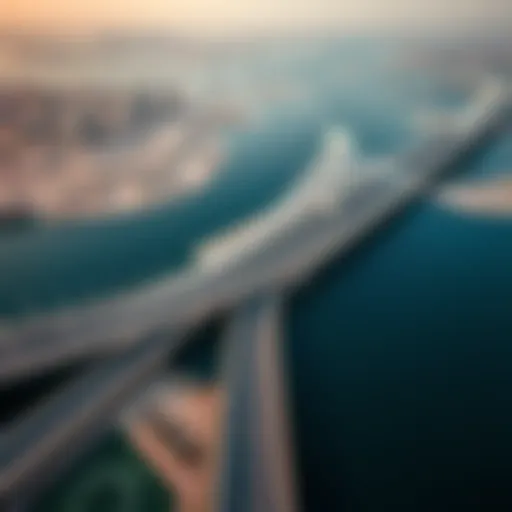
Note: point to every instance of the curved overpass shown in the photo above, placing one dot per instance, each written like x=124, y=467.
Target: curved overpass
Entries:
x=197, y=292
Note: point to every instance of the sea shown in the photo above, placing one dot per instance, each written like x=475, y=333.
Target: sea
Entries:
x=399, y=354
x=72, y=262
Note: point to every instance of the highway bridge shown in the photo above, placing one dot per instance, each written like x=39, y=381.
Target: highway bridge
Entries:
x=131, y=325
x=197, y=292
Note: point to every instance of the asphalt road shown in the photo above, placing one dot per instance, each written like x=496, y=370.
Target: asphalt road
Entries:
x=123, y=324
x=256, y=471
x=182, y=300
x=43, y=443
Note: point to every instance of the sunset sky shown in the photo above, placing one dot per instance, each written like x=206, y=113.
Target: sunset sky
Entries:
x=230, y=14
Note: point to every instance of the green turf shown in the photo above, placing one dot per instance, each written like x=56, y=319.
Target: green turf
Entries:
x=111, y=479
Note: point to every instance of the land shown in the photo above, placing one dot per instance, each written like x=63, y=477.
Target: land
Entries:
x=116, y=121
x=489, y=197
x=104, y=124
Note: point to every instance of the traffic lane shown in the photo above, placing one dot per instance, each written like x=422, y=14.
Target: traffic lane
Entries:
x=289, y=260
x=189, y=299
x=256, y=471
x=118, y=323
x=44, y=441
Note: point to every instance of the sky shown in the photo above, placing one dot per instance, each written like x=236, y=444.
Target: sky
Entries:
x=244, y=14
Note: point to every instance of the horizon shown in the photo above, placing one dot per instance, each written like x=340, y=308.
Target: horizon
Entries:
x=227, y=16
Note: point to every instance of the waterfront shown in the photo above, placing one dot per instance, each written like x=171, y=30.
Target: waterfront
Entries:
x=394, y=331
x=70, y=262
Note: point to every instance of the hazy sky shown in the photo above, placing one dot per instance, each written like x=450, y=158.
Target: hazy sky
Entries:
x=230, y=14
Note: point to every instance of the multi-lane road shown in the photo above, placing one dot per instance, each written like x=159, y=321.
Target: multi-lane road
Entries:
x=183, y=299
x=122, y=325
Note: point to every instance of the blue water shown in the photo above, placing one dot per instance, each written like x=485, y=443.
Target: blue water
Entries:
x=400, y=354
x=408, y=342
x=65, y=263
x=70, y=263
x=401, y=368
x=495, y=162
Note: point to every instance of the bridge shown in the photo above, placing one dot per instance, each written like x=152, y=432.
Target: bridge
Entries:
x=196, y=293
x=128, y=325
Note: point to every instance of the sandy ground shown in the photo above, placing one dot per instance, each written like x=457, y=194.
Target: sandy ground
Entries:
x=195, y=414
x=490, y=197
